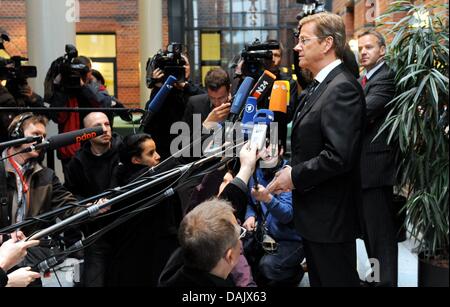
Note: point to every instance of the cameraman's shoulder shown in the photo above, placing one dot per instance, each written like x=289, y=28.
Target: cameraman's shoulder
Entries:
x=6, y=99
x=193, y=89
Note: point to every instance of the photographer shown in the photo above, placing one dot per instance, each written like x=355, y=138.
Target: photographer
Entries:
x=16, y=93
x=275, y=251
x=68, y=85
x=276, y=69
x=159, y=68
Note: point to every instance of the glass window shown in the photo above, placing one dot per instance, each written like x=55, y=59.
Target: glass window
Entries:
x=97, y=45
x=239, y=22
x=101, y=49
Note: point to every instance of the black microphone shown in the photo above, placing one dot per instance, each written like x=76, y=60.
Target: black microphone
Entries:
x=52, y=262
x=66, y=139
x=15, y=143
x=263, y=87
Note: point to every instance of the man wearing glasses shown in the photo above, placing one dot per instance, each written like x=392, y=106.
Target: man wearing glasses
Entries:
x=213, y=107
x=210, y=239
x=326, y=149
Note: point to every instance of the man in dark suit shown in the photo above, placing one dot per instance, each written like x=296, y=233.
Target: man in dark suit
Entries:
x=377, y=162
x=326, y=150
x=213, y=107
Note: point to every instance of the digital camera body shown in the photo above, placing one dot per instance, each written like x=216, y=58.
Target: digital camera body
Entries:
x=257, y=58
x=171, y=62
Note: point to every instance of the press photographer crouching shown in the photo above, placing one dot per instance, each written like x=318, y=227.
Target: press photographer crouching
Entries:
x=171, y=62
x=274, y=249
x=17, y=92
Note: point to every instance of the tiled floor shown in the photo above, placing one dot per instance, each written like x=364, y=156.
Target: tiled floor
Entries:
x=407, y=264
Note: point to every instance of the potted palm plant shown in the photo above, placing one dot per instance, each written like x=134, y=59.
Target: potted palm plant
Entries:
x=418, y=122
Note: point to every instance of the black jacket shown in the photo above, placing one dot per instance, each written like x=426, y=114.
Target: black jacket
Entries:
x=88, y=175
x=177, y=275
x=141, y=246
x=326, y=152
x=200, y=105
x=377, y=162
x=172, y=111
x=6, y=101
x=46, y=194
x=3, y=278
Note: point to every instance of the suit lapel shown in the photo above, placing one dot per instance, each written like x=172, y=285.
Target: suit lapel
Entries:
x=317, y=94
x=374, y=77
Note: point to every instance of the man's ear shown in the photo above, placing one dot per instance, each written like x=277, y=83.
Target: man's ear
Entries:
x=329, y=42
x=383, y=51
x=229, y=256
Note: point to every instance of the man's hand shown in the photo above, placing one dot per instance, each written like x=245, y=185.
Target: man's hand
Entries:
x=262, y=195
x=250, y=224
x=158, y=75
x=25, y=90
x=218, y=115
x=102, y=202
x=22, y=278
x=282, y=182
x=248, y=157
x=13, y=252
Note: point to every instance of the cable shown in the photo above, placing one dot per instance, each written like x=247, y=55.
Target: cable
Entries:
x=124, y=218
x=57, y=278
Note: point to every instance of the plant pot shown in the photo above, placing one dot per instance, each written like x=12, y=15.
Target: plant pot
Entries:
x=431, y=275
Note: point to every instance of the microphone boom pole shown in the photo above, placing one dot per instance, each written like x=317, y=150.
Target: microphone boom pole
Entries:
x=94, y=210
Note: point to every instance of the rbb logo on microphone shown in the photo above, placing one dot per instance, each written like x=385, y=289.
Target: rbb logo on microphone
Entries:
x=85, y=137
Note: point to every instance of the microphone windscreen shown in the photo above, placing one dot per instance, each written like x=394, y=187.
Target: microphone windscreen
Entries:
x=263, y=86
x=264, y=116
x=279, y=99
x=157, y=102
x=242, y=95
x=74, y=137
x=250, y=110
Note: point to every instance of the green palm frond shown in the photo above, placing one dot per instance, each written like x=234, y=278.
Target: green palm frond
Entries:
x=419, y=54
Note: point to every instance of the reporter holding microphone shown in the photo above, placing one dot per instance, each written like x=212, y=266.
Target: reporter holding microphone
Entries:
x=28, y=189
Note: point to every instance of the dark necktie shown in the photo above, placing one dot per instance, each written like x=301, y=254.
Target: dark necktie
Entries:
x=310, y=91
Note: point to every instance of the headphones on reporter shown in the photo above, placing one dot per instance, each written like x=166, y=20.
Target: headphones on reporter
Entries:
x=17, y=131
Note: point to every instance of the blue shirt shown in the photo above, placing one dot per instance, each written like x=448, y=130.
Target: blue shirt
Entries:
x=280, y=211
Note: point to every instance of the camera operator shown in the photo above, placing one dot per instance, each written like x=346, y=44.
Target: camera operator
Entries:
x=68, y=85
x=276, y=69
x=16, y=93
x=98, y=84
x=160, y=67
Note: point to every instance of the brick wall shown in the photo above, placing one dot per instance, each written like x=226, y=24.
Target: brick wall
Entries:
x=13, y=22
x=165, y=25
x=364, y=12
x=111, y=16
